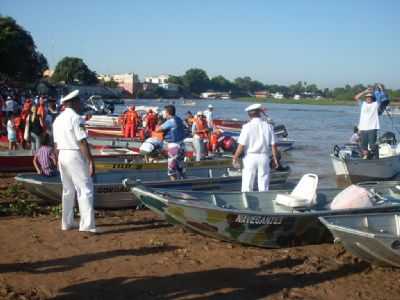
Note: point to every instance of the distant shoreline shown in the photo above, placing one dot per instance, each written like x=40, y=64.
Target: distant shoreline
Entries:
x=301, y=101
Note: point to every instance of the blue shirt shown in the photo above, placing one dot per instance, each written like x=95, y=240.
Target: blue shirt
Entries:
x=174, y=130
x=380, y=96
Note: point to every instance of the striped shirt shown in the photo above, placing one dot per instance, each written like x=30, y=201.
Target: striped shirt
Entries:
x=44, y=156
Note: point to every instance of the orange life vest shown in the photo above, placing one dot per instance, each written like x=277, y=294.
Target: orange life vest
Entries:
x=157, y=135
x=201, y=128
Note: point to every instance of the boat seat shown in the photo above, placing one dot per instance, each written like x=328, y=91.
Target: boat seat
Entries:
x=303, y=195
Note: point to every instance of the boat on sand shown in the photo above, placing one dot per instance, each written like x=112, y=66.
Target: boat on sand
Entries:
x=373, y=237
x=256, y=218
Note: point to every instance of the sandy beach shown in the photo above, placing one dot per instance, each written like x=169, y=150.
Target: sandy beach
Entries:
x=139, y=256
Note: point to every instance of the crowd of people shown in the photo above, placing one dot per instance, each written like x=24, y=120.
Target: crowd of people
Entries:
x=26, y=119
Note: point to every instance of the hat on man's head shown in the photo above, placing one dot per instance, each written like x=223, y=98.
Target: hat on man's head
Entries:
x=199, y=113
x=369, y=94
x=210, y=106
x=256, y=106
x=70, y=96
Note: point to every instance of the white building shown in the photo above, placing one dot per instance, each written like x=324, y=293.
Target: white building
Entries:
x=161, y=79
x=127, y=81
x=277, y=95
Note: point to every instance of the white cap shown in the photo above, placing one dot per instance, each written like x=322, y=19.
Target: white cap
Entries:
x=199, y=113
x=70, y=96
x=210, y=106
x=253, y=107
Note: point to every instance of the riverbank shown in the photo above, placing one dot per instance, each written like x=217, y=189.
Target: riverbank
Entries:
x=301, y=101
x=140, y=256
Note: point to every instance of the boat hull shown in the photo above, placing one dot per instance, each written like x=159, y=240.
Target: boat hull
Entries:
x=373, y=237
x=280, y=227
x=110, y=192
x=357, y=170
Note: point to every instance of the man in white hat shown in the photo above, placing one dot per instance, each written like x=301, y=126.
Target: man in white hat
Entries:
x=255, y=140
x=369, y=120
x=209, y=115
x=76, y=165
x=200, y=133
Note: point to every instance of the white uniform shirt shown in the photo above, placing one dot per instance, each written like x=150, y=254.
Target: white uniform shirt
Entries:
x=209, y=116
x=257, y=136
x=369, y=118
x=68, y=130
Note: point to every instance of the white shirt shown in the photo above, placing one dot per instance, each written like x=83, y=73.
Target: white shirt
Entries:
x=257, y=136
x=10, y=105
x=369, y=118
x=68, y=130
x=355, y=138
x=10, y=127
x=209, y=116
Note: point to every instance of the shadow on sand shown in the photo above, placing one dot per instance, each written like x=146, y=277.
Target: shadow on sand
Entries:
x=78, y=261
x=223, y=283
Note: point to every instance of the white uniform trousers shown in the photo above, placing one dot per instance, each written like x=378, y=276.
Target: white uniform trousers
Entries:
x=75, y=179
x=255, y=164
x=199, y=147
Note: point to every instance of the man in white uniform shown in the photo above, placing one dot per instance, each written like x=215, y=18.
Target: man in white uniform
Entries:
x=369, y=120
x=255, y=140
x=75, y=164
x=209, y=116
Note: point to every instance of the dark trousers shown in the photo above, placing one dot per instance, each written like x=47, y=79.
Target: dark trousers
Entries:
x=368, y=137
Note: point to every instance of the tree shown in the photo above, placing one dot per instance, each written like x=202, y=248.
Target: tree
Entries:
x=221, y=84
x=175, y=80
x=73, y=69
x=196, y=81
x=19, y=59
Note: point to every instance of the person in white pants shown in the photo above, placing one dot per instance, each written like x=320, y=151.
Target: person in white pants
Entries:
x=255, y=140
x=75, y=164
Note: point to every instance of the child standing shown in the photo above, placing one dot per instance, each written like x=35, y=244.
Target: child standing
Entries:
x=45, y=160
x=12, y=133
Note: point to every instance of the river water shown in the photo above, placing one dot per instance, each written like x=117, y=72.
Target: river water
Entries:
x=315, y=128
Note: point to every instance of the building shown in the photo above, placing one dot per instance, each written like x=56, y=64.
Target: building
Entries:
x=277, y=95
x=261, y=94
x=161, y=79
x=128, y=81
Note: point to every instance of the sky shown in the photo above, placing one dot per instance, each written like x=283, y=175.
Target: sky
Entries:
x=329, y=43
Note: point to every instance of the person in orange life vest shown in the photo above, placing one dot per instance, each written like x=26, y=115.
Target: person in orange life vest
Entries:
x=41, y=111
x=215, y=138
x=131, y=123
x=151, y=121
x=156, y=133
x=20, y=129
x=200, y=133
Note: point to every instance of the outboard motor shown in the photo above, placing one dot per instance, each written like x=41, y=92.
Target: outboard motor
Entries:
x=374, y=152
x=388, y=138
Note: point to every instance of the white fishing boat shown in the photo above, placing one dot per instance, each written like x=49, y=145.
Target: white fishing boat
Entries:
x=350, y=167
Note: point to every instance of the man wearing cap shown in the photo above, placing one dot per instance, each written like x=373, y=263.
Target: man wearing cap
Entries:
x=200, y=133
x=76, y=165
x=369, y=120
x=255, y=140
x=209, y=115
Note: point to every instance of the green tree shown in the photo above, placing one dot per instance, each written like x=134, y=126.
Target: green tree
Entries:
x=196, y=81
x=73, y=69
x=19, y=59
x=221, y=84
x=175, y=80
x=110, y=83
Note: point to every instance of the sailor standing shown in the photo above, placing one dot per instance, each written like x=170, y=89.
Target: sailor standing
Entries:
x=76, y=165
x=255, y=140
